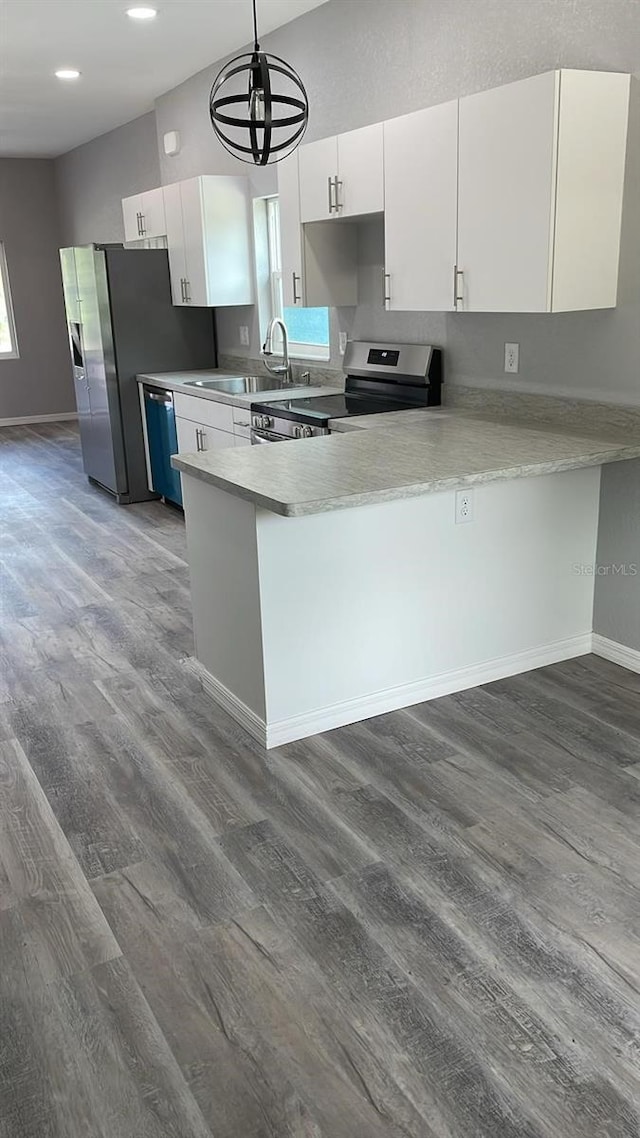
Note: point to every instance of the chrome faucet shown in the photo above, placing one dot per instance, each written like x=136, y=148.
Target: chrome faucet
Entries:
x=285, y=368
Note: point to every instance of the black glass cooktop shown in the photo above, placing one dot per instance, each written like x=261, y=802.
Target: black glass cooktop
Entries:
x=319, y=409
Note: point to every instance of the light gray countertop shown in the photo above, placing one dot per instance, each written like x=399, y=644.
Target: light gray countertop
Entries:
x=402, y=455
x=176, y=380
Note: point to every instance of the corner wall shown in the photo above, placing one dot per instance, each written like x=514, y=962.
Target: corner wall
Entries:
x=39, y=382
x=93, y=179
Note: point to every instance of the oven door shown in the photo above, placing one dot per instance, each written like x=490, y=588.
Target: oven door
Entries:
x=258, y=435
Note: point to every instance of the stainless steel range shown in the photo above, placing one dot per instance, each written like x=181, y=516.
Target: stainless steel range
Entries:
x=379, y=378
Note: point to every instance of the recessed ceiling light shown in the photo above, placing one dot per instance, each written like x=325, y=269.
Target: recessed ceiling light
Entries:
x=141, y=13
x=67, y=73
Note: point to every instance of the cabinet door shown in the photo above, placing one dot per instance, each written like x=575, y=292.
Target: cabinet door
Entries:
x=194, y=242
x=175, y=242
x=361, y=171
x=290, y=232
x=507, y=171
x=420, y=187
x=131, y=215
x=153, y=218
x=193, y=438
x=318, y=166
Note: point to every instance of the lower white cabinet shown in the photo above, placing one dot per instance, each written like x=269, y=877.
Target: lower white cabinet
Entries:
x=143, y=215
x=194, y=438
x=209, y=241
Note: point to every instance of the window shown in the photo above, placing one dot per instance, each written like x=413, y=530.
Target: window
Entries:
x=308, y=327
x=8, y=343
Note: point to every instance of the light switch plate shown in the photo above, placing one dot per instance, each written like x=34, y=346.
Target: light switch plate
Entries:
x=244, y=335
x=343, y=342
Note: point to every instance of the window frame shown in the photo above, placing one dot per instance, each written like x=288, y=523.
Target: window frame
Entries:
x=298, y=350
x=14, y=352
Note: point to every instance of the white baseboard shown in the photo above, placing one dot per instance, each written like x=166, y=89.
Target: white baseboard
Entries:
x=230, y=702
x=617, y=653
x=24, y=420
x=378, y=703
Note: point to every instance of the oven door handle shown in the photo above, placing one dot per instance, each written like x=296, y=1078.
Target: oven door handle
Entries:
x=262, y=436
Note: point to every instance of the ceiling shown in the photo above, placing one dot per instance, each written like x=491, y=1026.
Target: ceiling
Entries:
x=125, y=64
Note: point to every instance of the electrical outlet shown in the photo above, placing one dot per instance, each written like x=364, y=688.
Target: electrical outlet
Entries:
x=343, y=342
x=244, y=335
x=464, y=506
x=511, y=357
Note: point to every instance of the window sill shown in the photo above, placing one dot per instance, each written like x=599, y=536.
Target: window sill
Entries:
x=9, y=356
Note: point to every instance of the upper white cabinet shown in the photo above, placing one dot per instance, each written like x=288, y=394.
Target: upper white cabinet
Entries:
x=541, y=173
x=420, y=217
x=209, y=241
x=319, y=263
x=291, y=236
x=342, y=176
x=143, y=215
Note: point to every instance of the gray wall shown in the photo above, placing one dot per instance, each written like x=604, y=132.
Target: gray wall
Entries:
x=367, y=60
x=93, y=179
x=39, y=382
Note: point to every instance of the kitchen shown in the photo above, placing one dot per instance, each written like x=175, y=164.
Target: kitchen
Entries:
x=363, y=859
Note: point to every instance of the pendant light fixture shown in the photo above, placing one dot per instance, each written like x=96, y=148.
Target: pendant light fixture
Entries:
x=258, y=105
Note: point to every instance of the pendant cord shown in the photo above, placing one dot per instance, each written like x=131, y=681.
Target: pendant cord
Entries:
x=255, y=28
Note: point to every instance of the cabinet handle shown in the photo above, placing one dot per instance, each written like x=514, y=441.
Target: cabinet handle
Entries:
x=387, y=290
x=338, y=204
x=198, y=443
x=330, y=191
x=458, y=295
x=187, y=290
x=182, y=289
x=203, y=440
x=143, y=228
x=295, y=277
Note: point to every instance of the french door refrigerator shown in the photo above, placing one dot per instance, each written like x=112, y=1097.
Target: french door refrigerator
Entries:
x=122, y=322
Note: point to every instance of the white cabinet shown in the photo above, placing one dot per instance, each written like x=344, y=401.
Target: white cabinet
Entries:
x=541, y=172
x=420, y=216
x=318, y=169
x=143, y=215
x=291, y=237
x=319, y=263
x=209, y=241
x=342, y=176
x=194, y=438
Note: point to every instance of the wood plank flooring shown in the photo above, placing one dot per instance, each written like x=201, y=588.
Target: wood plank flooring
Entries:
x=422, y=926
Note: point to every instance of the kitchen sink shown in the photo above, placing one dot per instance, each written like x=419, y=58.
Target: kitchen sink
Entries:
x=239, y=385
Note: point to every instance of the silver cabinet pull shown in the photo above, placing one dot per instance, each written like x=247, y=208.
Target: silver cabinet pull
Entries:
x=203, y=440
x=138, y=223
x=338, y=203
x=458, y=287
x=330, y=187
x=387, y=290
x=198, y=446
x=187, y=290
x=143, y=228
x=295, y=277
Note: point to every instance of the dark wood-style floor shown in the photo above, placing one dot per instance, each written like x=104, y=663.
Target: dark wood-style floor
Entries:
x=427, y=924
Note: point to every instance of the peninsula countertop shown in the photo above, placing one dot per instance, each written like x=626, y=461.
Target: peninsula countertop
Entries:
x=403, y=455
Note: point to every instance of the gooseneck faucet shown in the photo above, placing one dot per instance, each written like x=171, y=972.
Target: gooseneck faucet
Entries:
x=285, y=369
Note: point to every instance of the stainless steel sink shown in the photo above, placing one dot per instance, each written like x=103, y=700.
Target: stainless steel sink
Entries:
x=243, y=385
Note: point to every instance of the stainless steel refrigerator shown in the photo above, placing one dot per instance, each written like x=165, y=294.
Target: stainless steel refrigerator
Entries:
x=122, y=322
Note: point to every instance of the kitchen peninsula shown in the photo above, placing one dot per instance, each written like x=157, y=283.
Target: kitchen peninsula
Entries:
x=342, y=577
